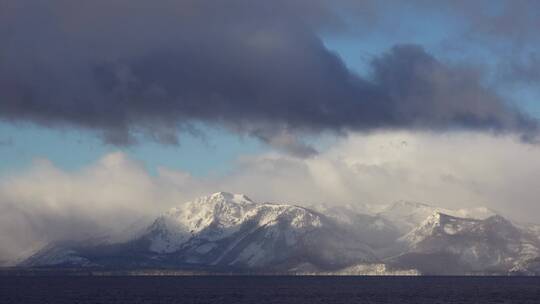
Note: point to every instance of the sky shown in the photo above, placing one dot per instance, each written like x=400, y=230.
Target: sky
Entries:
x=115, y=111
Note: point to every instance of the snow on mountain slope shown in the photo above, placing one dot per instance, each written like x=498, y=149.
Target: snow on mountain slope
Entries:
x=215, y=216
x=375, y=230
x=438, y=224
x=56, y=254
x=230, y=232
x=472, y=245
x=407, y=215
x=534, y=229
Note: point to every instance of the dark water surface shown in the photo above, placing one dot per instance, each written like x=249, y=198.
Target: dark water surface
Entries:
x=238, y=289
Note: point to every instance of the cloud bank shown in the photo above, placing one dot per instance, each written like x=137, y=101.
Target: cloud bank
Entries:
x=259, y=68
x=454, y=170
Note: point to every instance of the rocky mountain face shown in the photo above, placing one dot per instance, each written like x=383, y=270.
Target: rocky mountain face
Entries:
x=230, y=232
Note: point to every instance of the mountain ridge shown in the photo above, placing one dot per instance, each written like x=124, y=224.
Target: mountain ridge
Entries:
x=231, y=232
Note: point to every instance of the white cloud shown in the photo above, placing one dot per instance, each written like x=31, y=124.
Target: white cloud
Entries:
x=452, y=170
x=46, y=203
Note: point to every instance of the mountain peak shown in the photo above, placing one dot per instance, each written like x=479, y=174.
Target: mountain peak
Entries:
x=437, y=224
x=222, y=194
x=226, y=196
x=436, y=218
x=230, y=231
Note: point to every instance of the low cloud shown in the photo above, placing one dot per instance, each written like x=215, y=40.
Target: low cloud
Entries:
x=464, y=169
x=45, y=203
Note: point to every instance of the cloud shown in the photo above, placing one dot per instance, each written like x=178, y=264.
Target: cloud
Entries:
x=255, y=68
x=46, y=204
x=452, y=169
x=455, y=170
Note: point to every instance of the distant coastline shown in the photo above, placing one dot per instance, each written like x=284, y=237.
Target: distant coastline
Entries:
x=46, y=271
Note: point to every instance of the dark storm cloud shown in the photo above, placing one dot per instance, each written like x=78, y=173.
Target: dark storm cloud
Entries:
x=428, y=94
x=258, y=68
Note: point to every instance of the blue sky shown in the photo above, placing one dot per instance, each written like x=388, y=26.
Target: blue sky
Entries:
x=71, y=149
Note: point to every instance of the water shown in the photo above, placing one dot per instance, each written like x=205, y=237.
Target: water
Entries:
x=260, y=290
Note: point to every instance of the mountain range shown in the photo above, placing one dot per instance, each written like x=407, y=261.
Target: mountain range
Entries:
x=226, y=232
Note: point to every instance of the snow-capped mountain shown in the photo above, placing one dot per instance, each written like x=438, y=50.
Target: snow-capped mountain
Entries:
x=230, y=232
x=448, y=244
x=407, y=215
x=226, y=231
